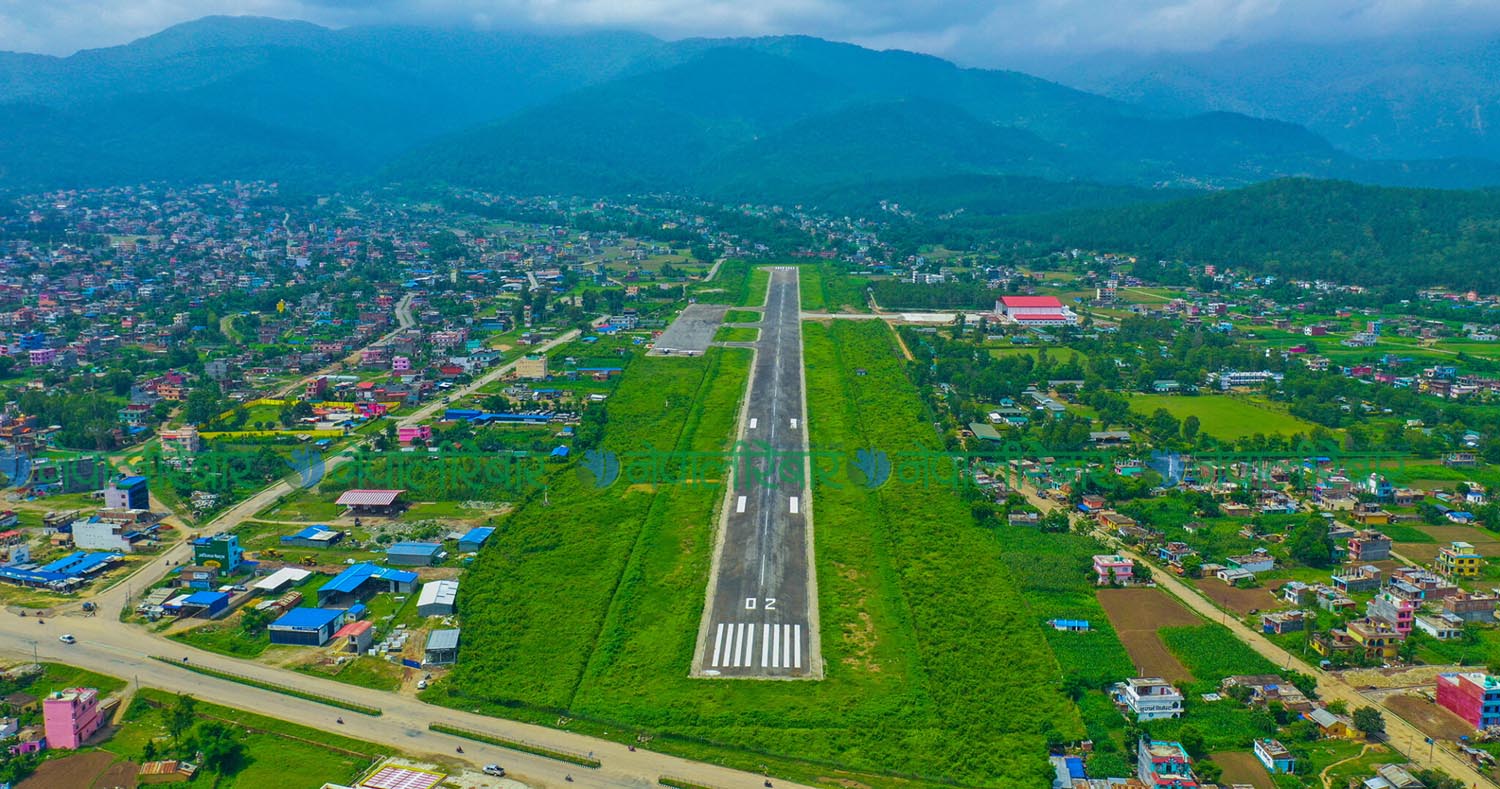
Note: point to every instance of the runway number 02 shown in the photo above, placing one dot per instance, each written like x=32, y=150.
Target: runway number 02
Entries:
x=752, y=602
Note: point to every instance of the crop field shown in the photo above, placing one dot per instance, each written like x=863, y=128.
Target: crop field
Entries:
x=1225, y=417
x=1054, y=573
x=1241, y=767
x=1137, y=614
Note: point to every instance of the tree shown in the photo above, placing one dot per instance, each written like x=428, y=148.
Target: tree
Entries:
x=203, y=403
x=1369, y=721
x=222, y=749
x=181, y=715
x=1311, y=545
x=1192, y=565
x=1193, y=741
x=1190, y=427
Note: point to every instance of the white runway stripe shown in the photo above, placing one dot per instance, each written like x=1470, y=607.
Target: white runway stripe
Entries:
x=740, y=505
x=734, y=646
x=794, y=505
x=752, y=423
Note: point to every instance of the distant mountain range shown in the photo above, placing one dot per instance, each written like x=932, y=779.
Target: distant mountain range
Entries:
x=1416, y=96
x=772, y=118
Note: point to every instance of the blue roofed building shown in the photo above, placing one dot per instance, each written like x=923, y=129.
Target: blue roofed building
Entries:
x=475, y=539
x=361, y=581
x=413, y=554
x=312, y=537
x=309, y=627
x=205, y=605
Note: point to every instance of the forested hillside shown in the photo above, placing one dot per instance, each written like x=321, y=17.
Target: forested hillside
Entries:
x=1301, y=228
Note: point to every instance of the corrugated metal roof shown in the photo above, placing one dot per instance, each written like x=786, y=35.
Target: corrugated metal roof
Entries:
x=439, y=592
x=350, y=579
x=443, y=639
x=368, y=498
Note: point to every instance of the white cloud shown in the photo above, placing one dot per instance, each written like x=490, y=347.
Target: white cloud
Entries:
x=974, y=31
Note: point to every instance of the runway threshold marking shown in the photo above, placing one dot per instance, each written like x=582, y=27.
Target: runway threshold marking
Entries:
x=734, y=646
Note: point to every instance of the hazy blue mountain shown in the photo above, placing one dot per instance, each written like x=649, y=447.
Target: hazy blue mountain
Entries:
x=249, y=97
x=1418, y=97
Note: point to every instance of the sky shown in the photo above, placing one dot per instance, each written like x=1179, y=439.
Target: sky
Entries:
x=972, y=32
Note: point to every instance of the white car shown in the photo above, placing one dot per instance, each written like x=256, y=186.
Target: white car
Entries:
x=67, y=638
x=495, y=770
x=422, y=684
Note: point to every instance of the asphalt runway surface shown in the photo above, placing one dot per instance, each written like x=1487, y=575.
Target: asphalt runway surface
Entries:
x=761, y=618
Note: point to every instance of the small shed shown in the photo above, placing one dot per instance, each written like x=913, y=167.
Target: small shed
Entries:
x=442, y=648
x=475, y=539
x=355, y=637
x=205, y=605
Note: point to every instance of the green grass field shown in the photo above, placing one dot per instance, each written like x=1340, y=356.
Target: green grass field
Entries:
x=1225, y=417
x=737, y=334
x=277, y=753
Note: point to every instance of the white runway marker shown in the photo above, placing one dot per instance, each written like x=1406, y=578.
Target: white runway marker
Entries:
x=794, y=505
x=740, y=505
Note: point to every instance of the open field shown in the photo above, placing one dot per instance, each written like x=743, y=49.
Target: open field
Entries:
x=1225, y=417
x=1432, y=720
x=1241, y=767
x=79, y=771
x=1240, y=601
x=1137, y=614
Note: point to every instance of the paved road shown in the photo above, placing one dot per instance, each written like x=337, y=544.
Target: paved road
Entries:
x=692, y=332
x=761, y=617
x=1331, y=687
x=106, y=646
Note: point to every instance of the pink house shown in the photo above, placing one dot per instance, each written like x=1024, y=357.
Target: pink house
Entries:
x=42, y=356
x=401, y=364
x=1113, y=567
x=406, y=435
x=71, y=716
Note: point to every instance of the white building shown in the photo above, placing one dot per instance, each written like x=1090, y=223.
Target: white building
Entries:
x=101, y=535
x=1150, y=698
x=437, y=598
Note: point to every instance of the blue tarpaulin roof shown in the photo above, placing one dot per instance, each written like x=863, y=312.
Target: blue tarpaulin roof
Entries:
x=1075, y=767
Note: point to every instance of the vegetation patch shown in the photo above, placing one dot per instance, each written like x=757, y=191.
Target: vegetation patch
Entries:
x=517, y=745
x=273, y=687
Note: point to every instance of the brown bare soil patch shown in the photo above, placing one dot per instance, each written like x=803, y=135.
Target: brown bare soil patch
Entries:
x=70, y=772
x=1136, y=614
x=1241, y=767
x=1240, y=601
x=1432, y=720
x=1416, y=551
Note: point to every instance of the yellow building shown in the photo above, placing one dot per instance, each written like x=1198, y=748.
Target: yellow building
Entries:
x=532, y=365
x=1375, y=639
x=1459, y=558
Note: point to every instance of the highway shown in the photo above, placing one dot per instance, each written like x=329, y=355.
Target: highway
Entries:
x=761, y=618
x=109, y=647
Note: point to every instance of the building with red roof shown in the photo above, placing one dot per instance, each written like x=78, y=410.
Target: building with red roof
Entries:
x=1035, y=311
